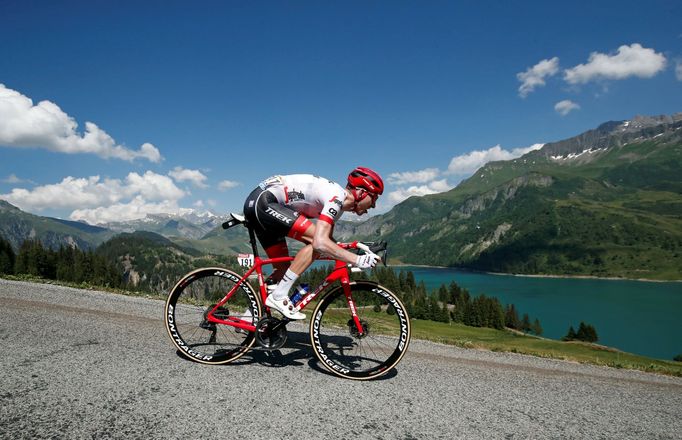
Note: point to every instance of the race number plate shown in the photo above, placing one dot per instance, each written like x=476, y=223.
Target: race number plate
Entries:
x=245, y=260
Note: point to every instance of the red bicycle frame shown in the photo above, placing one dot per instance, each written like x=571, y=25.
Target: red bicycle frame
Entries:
x=339, y=273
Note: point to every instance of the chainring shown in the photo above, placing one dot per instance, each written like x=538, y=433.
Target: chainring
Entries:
x=271, y=333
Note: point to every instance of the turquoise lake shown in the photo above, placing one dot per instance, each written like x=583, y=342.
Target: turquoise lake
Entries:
x=634, y=316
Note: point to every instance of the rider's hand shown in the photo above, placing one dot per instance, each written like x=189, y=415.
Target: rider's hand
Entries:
x=367, y=261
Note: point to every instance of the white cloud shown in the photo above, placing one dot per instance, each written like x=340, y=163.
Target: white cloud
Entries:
x=92, y=196
x=421, y=176
x=460, y=166
x=434, y=187
x=633, y=60
x=196, y=177
x=565, y=107
x=227, y=184
x=535, y=76
x=45, y=125
x=71, y=192
x=13, y=179
x=470, y=162
x=678, y=70
x=153, y=186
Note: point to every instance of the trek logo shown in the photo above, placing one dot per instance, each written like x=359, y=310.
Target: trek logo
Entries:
x=278, y=215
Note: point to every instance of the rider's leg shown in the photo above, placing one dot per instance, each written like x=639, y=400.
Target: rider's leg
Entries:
x=277, y=250
x=302, y=261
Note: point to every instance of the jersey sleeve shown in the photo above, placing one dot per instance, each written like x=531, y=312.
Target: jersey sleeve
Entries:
x=331, y=211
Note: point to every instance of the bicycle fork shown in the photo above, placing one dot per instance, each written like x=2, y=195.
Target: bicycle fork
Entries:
x=345, y=283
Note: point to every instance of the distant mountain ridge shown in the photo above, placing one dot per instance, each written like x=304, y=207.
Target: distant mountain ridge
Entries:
x=17, y=226
x=190, y=224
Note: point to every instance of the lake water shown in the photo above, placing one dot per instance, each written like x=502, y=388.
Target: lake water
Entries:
x=634, y=316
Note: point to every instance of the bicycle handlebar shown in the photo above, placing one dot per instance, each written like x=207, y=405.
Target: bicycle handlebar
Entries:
x=369, y=246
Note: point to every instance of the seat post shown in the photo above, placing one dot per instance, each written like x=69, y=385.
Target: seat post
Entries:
x=254, y=243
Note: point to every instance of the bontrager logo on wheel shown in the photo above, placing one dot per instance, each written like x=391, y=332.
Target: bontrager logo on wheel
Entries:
x=320, y=349
x=178, y=340
x=404, y=332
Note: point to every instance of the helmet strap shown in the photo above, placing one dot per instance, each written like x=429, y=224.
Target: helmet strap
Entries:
x=358, y=198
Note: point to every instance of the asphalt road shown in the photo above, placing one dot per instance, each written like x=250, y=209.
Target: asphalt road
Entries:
x=86, y=364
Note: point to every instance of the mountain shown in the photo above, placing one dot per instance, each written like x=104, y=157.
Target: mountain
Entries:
x=190, y=224
x=151, y=262
x=199, y=232
x=607, y=203
x=17, y=226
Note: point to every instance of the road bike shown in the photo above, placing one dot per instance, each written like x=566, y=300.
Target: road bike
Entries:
x=358, y=330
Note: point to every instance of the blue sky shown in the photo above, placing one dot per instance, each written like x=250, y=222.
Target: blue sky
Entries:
x=111, y=110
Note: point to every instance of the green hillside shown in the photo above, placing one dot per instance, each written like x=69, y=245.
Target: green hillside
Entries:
x=606, y=203
x=219, y=241
x=17, y=226
x=151, y=262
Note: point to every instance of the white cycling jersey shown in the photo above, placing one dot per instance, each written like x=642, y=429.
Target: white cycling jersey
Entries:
x=312, y=196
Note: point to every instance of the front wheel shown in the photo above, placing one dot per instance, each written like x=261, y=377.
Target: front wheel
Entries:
x=186, y=316
x=369, y=353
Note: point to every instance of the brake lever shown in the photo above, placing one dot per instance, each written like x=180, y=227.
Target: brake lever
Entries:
x=378, y=246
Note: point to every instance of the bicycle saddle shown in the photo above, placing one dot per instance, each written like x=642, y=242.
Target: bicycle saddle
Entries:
x=236, y=219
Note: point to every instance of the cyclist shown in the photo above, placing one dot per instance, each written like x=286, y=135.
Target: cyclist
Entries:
x=283, y=206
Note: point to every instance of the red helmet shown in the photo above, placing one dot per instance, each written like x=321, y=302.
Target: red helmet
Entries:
x=367, y=179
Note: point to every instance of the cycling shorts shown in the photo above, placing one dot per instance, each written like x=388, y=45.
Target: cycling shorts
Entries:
x=272, y=221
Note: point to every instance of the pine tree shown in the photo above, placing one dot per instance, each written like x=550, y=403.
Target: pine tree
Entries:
x=401, y=281
x=462, y=306
x=511, y=317
x=7, y=257
x=571, y=335
x=525, y=323
x=410, y=284
x=582, y=333
x=537, y=328
x=454, y=292
x=443, y=295
x=587, y=333
x=497, y=314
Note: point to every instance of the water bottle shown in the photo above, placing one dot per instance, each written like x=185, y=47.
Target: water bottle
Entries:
x=301, y=291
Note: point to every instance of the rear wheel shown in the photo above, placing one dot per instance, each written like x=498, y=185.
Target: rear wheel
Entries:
x=187, y=307
x=372, y=352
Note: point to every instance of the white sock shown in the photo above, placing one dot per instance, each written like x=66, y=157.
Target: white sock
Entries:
x=282, y=290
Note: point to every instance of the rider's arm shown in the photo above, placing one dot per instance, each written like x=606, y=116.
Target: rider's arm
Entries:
x=323, y=244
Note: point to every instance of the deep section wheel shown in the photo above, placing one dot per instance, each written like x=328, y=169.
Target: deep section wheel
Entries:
x=370, y=349
x=187, y=316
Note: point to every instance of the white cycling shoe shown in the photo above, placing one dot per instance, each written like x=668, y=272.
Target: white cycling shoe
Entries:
x=284, y=306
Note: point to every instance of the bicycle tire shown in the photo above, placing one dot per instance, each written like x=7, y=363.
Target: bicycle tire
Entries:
x=344, y=352
x=192, y=297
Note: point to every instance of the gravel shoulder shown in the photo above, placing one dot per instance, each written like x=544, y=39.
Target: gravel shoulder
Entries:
x=88, y=364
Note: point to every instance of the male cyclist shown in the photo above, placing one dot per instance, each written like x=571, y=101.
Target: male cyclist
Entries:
x=282, y=206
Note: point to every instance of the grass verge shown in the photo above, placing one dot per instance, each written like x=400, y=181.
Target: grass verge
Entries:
x=511, y=341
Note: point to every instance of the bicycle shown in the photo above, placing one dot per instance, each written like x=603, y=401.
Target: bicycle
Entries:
x=358, y=330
